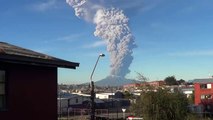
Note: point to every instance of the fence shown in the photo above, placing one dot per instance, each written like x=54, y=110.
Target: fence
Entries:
x=84, y=114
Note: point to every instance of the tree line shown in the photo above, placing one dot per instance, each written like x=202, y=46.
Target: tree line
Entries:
x=162, y=104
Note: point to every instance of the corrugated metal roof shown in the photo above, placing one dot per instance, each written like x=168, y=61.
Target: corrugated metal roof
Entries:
x=205, y=80
x=15, y=54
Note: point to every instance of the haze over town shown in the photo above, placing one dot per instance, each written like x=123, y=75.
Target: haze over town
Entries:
x=172, y=37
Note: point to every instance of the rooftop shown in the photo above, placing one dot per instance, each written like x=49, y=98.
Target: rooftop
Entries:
x=205, y=80
x=14, y=54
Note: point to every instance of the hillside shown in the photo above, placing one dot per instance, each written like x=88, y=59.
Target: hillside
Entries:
x=115, y=81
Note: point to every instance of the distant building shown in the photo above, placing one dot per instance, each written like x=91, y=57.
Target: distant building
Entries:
x=138, y=85
x=156, y=83
x=132, y=85
x=203, y=91
x=72, y=101
x=188, y=91
x=79, y=101
x=76, y=101
x=104, y=95
x=28, y=83
x=117, y=94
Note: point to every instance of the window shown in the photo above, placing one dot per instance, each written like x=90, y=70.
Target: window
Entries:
x=206, y=96
x=205, y=86
x=209, y=86
x=2, y=90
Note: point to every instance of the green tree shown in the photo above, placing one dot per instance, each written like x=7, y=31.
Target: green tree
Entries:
x=181, y=81
x=161, y=105
x=128, y=95
x=191, y=98
x=170, y=80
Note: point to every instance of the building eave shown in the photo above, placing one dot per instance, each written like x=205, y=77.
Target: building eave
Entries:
x=14, y=54
x=37, y=61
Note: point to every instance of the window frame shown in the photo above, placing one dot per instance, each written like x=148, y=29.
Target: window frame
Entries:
x=203, y=86
x=205, y=96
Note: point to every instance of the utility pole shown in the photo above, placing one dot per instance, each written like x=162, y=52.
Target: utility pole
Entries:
x=92, y=101
x=92, y=92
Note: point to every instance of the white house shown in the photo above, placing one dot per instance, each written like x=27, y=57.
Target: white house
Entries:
x=187, y=91
x=104, y=95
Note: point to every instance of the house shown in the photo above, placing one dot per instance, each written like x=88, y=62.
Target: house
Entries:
x=203, y=91
x=24, y=75
x=76, y=103
x=188, y=91
x=156, y=83
x=131, y=85
x=104, y=95
x=117, y=94
x=136, y=86
x=79, y=100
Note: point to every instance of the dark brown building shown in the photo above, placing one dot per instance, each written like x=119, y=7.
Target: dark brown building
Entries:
x=28, y=83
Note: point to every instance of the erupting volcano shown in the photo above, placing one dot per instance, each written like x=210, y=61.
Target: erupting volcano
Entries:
x=112, y=27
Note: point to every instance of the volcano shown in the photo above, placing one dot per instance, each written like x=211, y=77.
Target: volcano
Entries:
x=115, y=81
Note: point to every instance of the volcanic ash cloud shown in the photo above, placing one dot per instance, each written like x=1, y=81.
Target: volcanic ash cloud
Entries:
x=112, y=27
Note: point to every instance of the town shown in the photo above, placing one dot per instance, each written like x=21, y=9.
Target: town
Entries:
x=106, y=60
x=74, y=100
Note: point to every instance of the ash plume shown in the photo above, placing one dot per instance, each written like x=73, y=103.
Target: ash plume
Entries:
x=111, y=26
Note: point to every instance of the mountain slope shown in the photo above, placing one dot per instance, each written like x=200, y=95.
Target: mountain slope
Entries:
x=115, y=81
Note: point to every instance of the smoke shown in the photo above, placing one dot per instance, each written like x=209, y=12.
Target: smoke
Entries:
x=84, y=8
x=111, y=26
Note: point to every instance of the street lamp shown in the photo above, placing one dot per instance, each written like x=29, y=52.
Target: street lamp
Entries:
x=92, y=93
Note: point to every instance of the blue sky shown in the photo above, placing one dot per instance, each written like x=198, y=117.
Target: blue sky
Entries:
x=174, y=37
